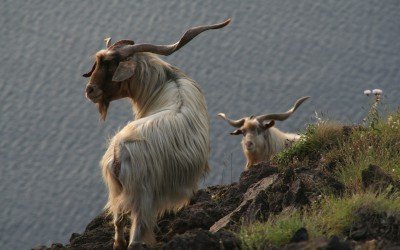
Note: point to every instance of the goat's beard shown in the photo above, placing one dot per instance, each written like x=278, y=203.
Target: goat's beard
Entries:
x=103, y=107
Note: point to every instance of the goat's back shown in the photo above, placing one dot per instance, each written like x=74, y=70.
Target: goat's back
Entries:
x=166, y=151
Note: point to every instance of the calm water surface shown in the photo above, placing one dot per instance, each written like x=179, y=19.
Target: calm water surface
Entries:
x=273, y=52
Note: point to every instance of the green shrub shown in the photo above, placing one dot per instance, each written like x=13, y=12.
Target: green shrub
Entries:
x=377, y=142
x=332, y=216
x=317, y=139
x=276, y=231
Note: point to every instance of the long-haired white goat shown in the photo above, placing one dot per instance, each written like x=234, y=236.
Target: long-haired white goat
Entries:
x=155, y=162
x=261, y=140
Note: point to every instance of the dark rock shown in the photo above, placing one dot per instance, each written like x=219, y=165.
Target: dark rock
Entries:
x=348, y=130
x=336, y=244
x=255, y=174
x=375, y=178
x=54, y=246
x=331, y=166
x=138, y=246
x=203, y=239
x=102, y=220
x=300, y=235
x=73, y=236
x=358, y=234
x=228, y=239
x=251, y=194
x=372, y=225
x=321, y=243
x=41, y=247
x=257, y=210
x=295, y=194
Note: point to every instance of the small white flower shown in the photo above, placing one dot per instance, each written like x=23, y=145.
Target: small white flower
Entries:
x=367, y=92
x=377, y=91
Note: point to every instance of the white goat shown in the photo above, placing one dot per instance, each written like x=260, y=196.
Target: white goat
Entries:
x=260, y=139
x=155, y=162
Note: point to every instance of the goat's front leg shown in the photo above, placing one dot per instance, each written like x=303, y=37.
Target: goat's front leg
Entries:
x=119, y=240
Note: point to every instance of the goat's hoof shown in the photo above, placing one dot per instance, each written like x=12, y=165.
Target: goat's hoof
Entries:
x=119, y=245
x=137, y=246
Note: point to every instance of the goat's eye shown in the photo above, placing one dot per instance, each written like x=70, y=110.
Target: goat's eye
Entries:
x=103, y=63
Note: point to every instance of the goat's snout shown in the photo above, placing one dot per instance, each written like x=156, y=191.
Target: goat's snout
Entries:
x=249, y=145
x=90, y=88
x=93, y=93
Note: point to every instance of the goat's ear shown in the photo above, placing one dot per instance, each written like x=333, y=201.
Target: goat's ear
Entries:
x=237, y=132
x=269, y=124
x=125, y=70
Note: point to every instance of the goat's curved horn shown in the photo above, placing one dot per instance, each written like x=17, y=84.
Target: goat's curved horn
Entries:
x=88, y=74
x=108, y=42
x=282, y=116
x=169, y=49
x=237, y=123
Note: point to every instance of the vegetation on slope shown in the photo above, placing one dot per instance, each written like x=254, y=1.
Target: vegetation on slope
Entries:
x=347, y=152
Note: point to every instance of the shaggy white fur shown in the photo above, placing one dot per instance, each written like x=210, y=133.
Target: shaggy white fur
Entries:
x=162, y=153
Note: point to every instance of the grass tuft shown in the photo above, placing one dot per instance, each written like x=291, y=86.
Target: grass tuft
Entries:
x=277, y=231
x=333, y=216
x=318, y=139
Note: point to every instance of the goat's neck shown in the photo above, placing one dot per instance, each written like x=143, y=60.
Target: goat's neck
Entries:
x=281, y=140
x=143, y=107
x=146, y=86
x=255, y=157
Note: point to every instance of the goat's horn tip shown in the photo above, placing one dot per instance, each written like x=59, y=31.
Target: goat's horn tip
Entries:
x=223, y=24
x=304, y=98
x=227, y=21
x=222, y=115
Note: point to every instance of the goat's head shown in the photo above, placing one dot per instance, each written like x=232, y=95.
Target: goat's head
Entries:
x=115, y=64
x=255, y=128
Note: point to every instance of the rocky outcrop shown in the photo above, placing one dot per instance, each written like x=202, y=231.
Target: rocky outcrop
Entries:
x=216, y=213
x=188, y=228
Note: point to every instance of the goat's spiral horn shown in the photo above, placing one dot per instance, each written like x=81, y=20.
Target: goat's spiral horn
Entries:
x=282, y=116
x=169, y=49
x=237, y=123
